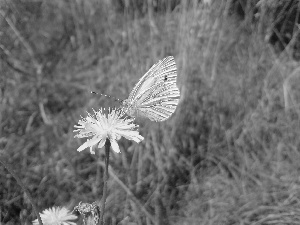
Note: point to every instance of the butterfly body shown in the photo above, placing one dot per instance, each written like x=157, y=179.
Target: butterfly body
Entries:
x=156, y=95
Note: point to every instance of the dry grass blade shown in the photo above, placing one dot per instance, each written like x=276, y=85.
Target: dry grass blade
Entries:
x=130, y=194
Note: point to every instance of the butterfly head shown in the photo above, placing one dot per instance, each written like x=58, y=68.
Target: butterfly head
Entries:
x=128, y=108
x=125, y=103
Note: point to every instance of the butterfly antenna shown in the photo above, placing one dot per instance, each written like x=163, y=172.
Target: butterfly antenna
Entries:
x=114, y=98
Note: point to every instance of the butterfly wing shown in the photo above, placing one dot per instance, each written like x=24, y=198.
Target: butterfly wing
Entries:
x=157, y=73
x=160, y=103
x=156, y=95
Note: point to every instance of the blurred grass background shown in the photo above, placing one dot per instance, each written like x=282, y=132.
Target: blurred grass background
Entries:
x=229, y=154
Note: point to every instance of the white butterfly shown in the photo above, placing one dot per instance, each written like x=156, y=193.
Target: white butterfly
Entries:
x=156, y=95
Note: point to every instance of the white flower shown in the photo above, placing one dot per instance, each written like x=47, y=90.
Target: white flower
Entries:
x=101, y=127
x=56, y=216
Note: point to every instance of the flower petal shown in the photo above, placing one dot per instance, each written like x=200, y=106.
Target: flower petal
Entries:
x=101, y=143
x=131, y=135
x=92, y=150
x=115, y=146
x=89, y=143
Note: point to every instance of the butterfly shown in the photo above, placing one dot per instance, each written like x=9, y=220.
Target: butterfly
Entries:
x=156, y=95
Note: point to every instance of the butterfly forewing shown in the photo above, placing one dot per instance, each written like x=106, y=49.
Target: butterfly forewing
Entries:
x=156, y=95
x=157, y=73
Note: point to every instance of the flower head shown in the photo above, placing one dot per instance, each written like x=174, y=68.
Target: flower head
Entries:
x=56, y=216
x=100, y=127
x=88, y=211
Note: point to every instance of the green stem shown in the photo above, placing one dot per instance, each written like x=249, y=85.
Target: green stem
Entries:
x=107, y=147
x=10, y=170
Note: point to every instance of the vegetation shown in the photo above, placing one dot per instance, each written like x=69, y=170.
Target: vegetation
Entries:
x=229, y=154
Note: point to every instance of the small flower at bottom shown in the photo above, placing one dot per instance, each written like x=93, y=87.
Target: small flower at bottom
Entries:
x=56, y=216
x=100, y=127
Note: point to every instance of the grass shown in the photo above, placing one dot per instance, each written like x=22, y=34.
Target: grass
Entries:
x=229, y=154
